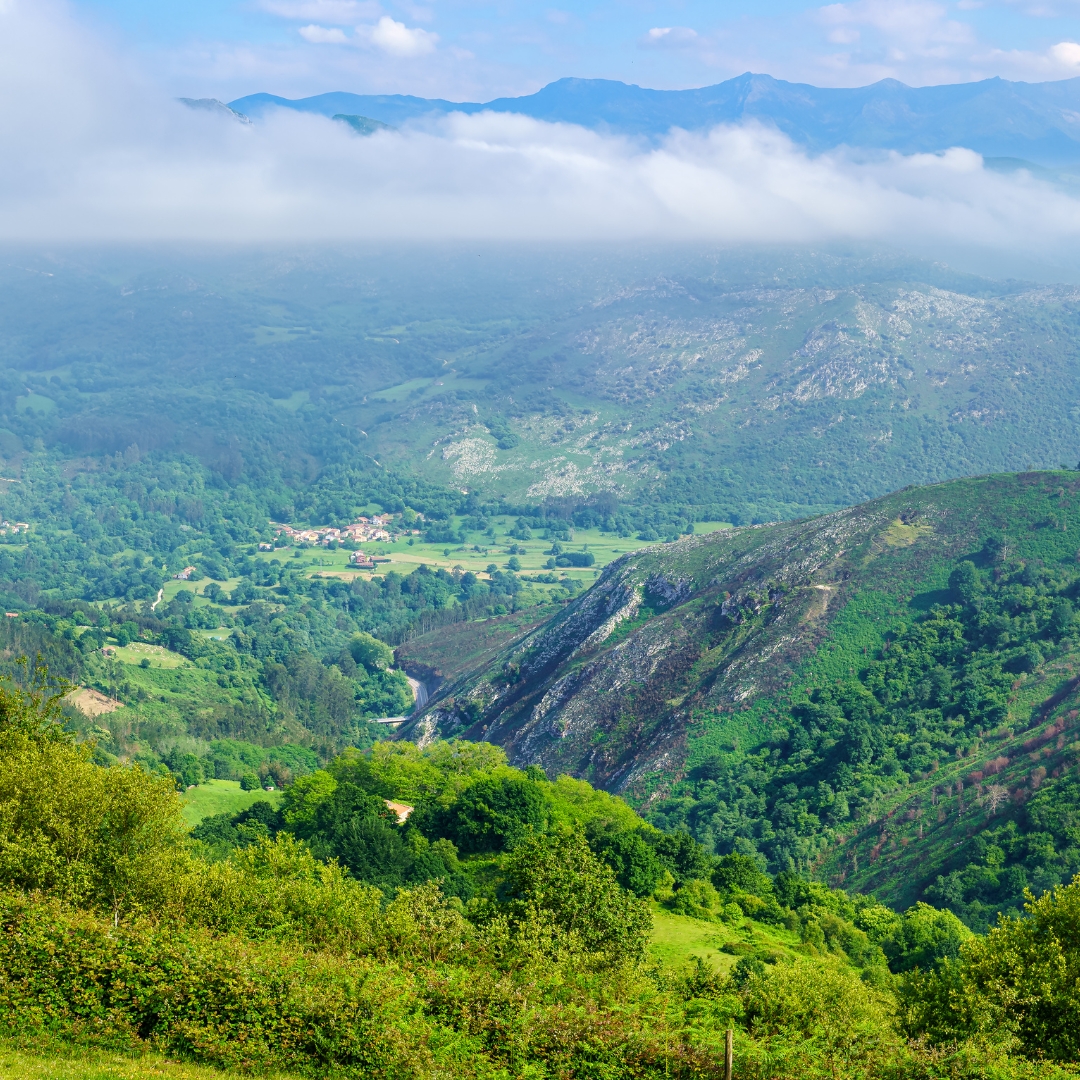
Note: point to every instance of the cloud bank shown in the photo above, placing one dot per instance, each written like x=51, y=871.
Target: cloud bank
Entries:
x=93, y=151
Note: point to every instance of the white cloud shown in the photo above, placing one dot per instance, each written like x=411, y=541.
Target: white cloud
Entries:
x=397, y=39
x=102, y=155
x=335, y=12
x=910, y=24
x=321, y=35
x=671, y=37
x=1060, y=61
x=1065, y=53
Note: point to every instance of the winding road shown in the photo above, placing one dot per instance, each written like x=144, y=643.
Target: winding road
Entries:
x=419, y=693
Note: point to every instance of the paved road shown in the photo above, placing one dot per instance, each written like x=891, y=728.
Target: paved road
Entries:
x=419, y=692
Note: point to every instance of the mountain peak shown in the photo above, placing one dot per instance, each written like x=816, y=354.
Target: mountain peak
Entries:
x=994, y=117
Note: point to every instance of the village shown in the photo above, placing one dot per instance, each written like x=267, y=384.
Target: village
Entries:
x=377, y=528
x=364, y=529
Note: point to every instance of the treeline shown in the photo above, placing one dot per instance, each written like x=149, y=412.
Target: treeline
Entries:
x=464, y=807
x=251, y=951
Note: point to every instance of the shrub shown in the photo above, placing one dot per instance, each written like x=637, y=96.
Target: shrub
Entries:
x=1025, y=976
x=228, y=1001
x=817, y=1018
x=112, y=840
x=561, y=899
x=697, y=898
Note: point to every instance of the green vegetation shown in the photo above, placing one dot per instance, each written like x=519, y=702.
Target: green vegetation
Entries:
x=885, y=698
x=214, y=797
x=250, y=953
x=519, y=413
x=817, y=717
x=47, y=1060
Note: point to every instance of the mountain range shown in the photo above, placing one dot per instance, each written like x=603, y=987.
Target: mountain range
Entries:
x=1033, y=122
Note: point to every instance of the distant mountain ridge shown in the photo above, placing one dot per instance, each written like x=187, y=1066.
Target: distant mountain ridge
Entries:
x=1037, y=122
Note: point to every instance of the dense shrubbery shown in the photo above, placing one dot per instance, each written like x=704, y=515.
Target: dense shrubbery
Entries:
x=117, y=930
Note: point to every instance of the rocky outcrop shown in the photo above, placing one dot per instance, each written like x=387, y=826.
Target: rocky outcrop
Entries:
x=678, y=635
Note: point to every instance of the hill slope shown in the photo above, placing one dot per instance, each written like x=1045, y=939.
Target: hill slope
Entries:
x=861, y=694
x=994, y=116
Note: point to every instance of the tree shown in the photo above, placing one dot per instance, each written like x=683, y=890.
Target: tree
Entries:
x=923, y=938
x=371, y=653
x=634, y=862
x=1021, y=981
x=965, y=582
x=109, y=839
x=563, y=897
x=996, y=794
x=491, y=814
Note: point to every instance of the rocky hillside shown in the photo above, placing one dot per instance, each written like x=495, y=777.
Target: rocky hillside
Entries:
x=723, y=681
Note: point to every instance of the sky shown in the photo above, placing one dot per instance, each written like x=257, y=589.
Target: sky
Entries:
x=477, y=50
x=97, y=149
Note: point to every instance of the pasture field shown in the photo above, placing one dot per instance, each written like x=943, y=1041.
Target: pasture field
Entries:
x=221, y=797
x=138, y=651
x=474, y=556
x=677, y=938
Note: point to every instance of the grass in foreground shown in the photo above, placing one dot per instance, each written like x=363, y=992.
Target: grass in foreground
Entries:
x=220, y=797
x=62, y=1062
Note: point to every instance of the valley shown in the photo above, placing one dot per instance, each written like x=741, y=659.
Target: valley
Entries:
x=743, y=591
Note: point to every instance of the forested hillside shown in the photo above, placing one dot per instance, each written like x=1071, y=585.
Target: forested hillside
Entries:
x=159, y=412
x=812, y=719
x=885, y=697
x=731, y=385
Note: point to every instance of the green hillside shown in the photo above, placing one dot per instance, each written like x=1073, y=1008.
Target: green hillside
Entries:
x=411, y=912
x=885, y=697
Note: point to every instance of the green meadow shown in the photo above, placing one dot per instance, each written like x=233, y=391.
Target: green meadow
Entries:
x=221, y=797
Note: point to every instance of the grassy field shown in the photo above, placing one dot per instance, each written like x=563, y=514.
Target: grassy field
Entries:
x=221, y=797
x=406, y=554
x=677, y=938
x=476, y=555
x=137, y=651
x=75, y=1063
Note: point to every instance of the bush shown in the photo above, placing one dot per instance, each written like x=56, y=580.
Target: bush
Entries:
x=225, y=1000
x=1022, y=981
x=561, y=899
x=109, y=839
x=697, y=898
x=817, y=1018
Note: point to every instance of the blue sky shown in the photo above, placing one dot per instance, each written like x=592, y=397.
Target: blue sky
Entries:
x=480, y=49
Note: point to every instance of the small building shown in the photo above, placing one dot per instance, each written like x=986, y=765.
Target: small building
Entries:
x=185, y=574
x=403, y=810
